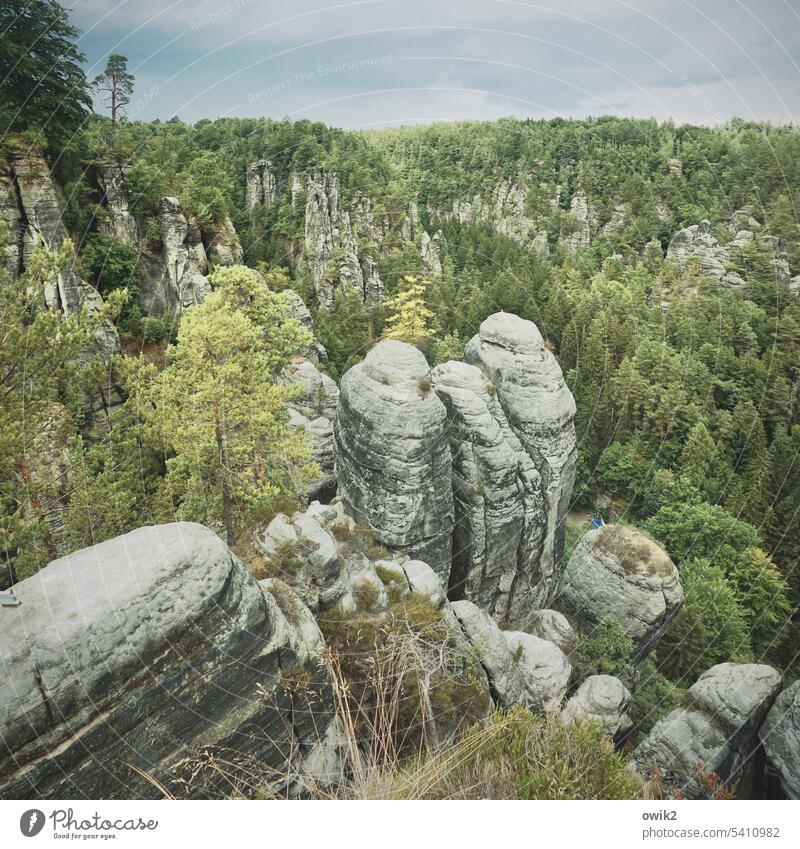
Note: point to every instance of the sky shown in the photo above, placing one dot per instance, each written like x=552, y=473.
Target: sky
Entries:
x=376, y=63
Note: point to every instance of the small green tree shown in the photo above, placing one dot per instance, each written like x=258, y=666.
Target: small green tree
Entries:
x=115, y=84
x=218, y=412
x=409, y=318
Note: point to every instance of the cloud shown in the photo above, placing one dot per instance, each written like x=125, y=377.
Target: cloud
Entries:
x=694, y=61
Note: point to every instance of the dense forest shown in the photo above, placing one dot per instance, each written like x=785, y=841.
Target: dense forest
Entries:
x=686, y=385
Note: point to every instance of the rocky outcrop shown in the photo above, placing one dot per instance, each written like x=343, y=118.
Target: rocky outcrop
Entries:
x=497, y=495
x=152, y=654
x=431, y=251
x=780, y=736
x=299, y=311
x=331, y=245
x=222, y=244
x=620, y=573
x=313, y=410
x=543, y=669
x=117, y=219
x=584, y=222
x=602, y=699
x=552, y=626
x=493, y=652
x=539, y=410
x=716, y=731
x=32, y=209
x=697, y=244
x=262, y=184
x=504, y=209
x=393, y=465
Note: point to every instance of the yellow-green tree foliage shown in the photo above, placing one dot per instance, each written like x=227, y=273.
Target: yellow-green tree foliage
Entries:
x=218, y=412
x=409, y=318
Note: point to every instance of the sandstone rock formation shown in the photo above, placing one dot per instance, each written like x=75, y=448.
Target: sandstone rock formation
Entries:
x=585, y=221
x=553, y=626
x=331, y=244
x=30, y=204
x=393, y=465
x=498, y=503
x=780, y=736
x=431, y=251
x=504, y=209
x=603, y=699
x=717, y=729
x=539, y=410
x=543, y=669
x=261, y=184
x=299, y=311
x=118, y=220
x=150, y=653
x=619, y=572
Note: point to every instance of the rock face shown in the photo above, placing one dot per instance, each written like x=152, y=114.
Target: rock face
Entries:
x=603, y=699
x=718, y=729
x=539, y=414
x=223, y=246
x=585, y=221
x=31, y=206
x=331, y=245
x=616, y=571
x=393, y=465
x=314, y=411
x=261, y=184
x=780, y=736
x=153, y=650
x=543, y=669
x=431, y=251
x=299, y=311
x=176, y=277
x=118, y=220
x=553, y=626
x=504, y=209
x=497, y=496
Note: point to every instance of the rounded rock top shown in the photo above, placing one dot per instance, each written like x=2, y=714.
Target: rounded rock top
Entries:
x=392, y=362
x=636, y=552
x=513, y=333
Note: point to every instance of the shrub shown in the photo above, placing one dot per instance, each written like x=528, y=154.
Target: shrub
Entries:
x=607, y=651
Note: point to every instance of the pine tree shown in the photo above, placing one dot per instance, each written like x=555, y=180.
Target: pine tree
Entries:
x=116, y=84
x=409, y=318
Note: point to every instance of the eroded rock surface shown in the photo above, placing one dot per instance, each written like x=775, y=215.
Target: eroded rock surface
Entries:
x=717, y=730
x=620, y=573
x=393, y=464
x=153, y=650
x=603, y=699
x=780, y=736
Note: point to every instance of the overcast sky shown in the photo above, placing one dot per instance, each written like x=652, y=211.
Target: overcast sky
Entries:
x=370, y=63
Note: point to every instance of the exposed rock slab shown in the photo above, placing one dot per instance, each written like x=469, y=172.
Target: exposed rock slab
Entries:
x=154, y=650
x=717, y=729
x=543, y=669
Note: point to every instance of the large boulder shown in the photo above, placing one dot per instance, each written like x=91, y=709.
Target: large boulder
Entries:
x=543, y=669
x=393, y=464
x=715, y=732
x=552, y=626
x=602, y=699
x=153, y=654
x=621, y=573
x=780, y=736
x=539, y=410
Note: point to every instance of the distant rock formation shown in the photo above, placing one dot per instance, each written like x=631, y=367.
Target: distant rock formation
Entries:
x=585, y=222
x=31, y=207
x=780, y=736
x=619, y=572
x=148, y=655
x=717, y=730
x=393, y=465
x=117, y=220
x=262, y=185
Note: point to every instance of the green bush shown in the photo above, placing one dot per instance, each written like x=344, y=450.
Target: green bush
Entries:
x=607, y=651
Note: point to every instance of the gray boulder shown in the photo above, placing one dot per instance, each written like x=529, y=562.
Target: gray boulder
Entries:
x=543, y=669
x=717, y=730
x=393, y=465
x=152, y=654
x=552, y=626
x=540, y=414
x=603, y=699
x=621, y=573
x=780, y=736
x=493, y=652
